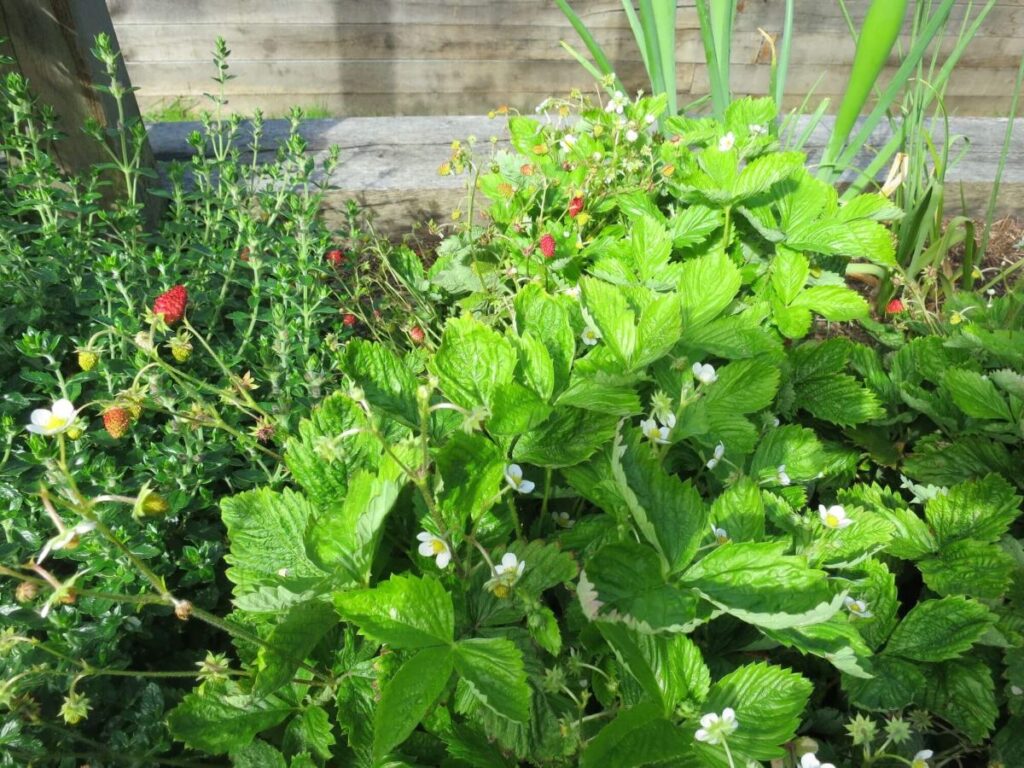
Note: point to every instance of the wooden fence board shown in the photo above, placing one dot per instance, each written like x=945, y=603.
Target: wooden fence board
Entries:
x=413, y=56
x=390, y=164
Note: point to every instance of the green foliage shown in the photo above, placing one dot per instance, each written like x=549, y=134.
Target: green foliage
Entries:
x=626, y=501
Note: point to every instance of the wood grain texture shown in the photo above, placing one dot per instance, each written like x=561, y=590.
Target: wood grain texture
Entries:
x=390, y=164
x=407, y=57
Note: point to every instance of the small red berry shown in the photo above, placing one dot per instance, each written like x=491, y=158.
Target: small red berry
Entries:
x=547, y=246
x=244, y=255
x=895, y=307
x=416, y=334
x=335, y=257
x=575, y=207
x=349, y=320
x=171, y=304
x=116, y=421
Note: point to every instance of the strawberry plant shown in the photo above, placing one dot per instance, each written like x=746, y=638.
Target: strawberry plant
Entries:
x=609, y=483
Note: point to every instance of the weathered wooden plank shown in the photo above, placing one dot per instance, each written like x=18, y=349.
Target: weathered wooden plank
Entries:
x=813, y=15
x=412, y=56
x=390, y=164
x=259, y=42
x=596, y=13
x=382, y=105
x=449, y=42
x=403, y=77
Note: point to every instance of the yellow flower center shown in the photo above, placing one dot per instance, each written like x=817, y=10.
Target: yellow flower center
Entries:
x=501, y=591
x=437, y=546
x=55, y=422
x=832, y=521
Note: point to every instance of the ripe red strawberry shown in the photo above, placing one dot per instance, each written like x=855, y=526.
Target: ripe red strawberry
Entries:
x=349, y=320
x=575, y=206
x=895, y=307
x=416, y=334
x=547, y=246
x=116, y=421
x=171, y=304
x=335, y=257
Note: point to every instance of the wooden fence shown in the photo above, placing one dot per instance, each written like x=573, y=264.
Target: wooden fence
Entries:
x=436, y=57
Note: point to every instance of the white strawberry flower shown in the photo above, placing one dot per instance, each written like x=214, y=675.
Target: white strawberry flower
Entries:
x=727, y=142
x=810, y=760
x=632, y=135
x=717, y=456
x=715, y=728
x=921, y=759
x=649, y=119
x=514, y=477
x=654, y=432
x=433, y=546
x=757, y=130
x=704, y=373
x=857, y=608
x=617, y=103
x=590, y=336
x=568, y=142
x=53, y=420
x=833, y=517
x=510, y=565
x=505, y=575
x=783, y=477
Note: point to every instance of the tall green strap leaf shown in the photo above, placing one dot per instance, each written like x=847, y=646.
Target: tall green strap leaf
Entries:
x=603, y=64
x=881, y=29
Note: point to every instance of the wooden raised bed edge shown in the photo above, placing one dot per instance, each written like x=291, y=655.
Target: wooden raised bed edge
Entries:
x=390, y=164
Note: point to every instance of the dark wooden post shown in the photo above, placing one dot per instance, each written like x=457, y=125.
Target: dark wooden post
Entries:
x=51, y=42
